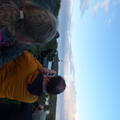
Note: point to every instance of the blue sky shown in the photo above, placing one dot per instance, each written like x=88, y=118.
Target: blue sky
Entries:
x=90, y=46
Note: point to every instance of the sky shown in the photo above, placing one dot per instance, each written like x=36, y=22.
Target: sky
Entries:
x=89, y=47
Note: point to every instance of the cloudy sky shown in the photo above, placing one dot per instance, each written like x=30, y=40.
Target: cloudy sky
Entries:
x=89, y=47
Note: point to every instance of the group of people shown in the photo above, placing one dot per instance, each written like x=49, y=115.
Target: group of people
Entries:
x=24, y=23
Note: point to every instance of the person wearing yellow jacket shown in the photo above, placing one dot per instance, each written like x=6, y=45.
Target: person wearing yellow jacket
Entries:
x=24, y=79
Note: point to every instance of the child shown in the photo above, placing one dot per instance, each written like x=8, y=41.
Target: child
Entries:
x=24, y=79
x=29, y=20
x=27, y=24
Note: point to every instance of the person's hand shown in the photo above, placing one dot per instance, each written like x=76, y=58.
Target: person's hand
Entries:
x=40, y=107
x=47, y=71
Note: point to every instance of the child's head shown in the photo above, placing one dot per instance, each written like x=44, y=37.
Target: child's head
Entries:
x=37, y=24
x=55, y=85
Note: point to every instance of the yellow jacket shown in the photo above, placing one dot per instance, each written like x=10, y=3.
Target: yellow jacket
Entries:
x=15, y=77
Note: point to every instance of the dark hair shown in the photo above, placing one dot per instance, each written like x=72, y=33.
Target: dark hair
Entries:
x=9, y=14
x=38, y=23
x=56, y=85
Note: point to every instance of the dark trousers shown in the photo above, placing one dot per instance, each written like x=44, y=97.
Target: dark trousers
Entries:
x=21, y=111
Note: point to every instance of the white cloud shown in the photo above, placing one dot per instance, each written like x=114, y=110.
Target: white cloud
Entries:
x=108, y=20
x=104, y=4
x=70, y=102
x=84, y=4
x=66, y=103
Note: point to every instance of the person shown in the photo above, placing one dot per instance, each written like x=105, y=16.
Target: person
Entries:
x=24, y=79
x=26, y=18
x=37, y=106
x=22, y=24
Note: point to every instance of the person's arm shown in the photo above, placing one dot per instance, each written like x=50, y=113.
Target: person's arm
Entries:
x=47, y=71
x=38, y=105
